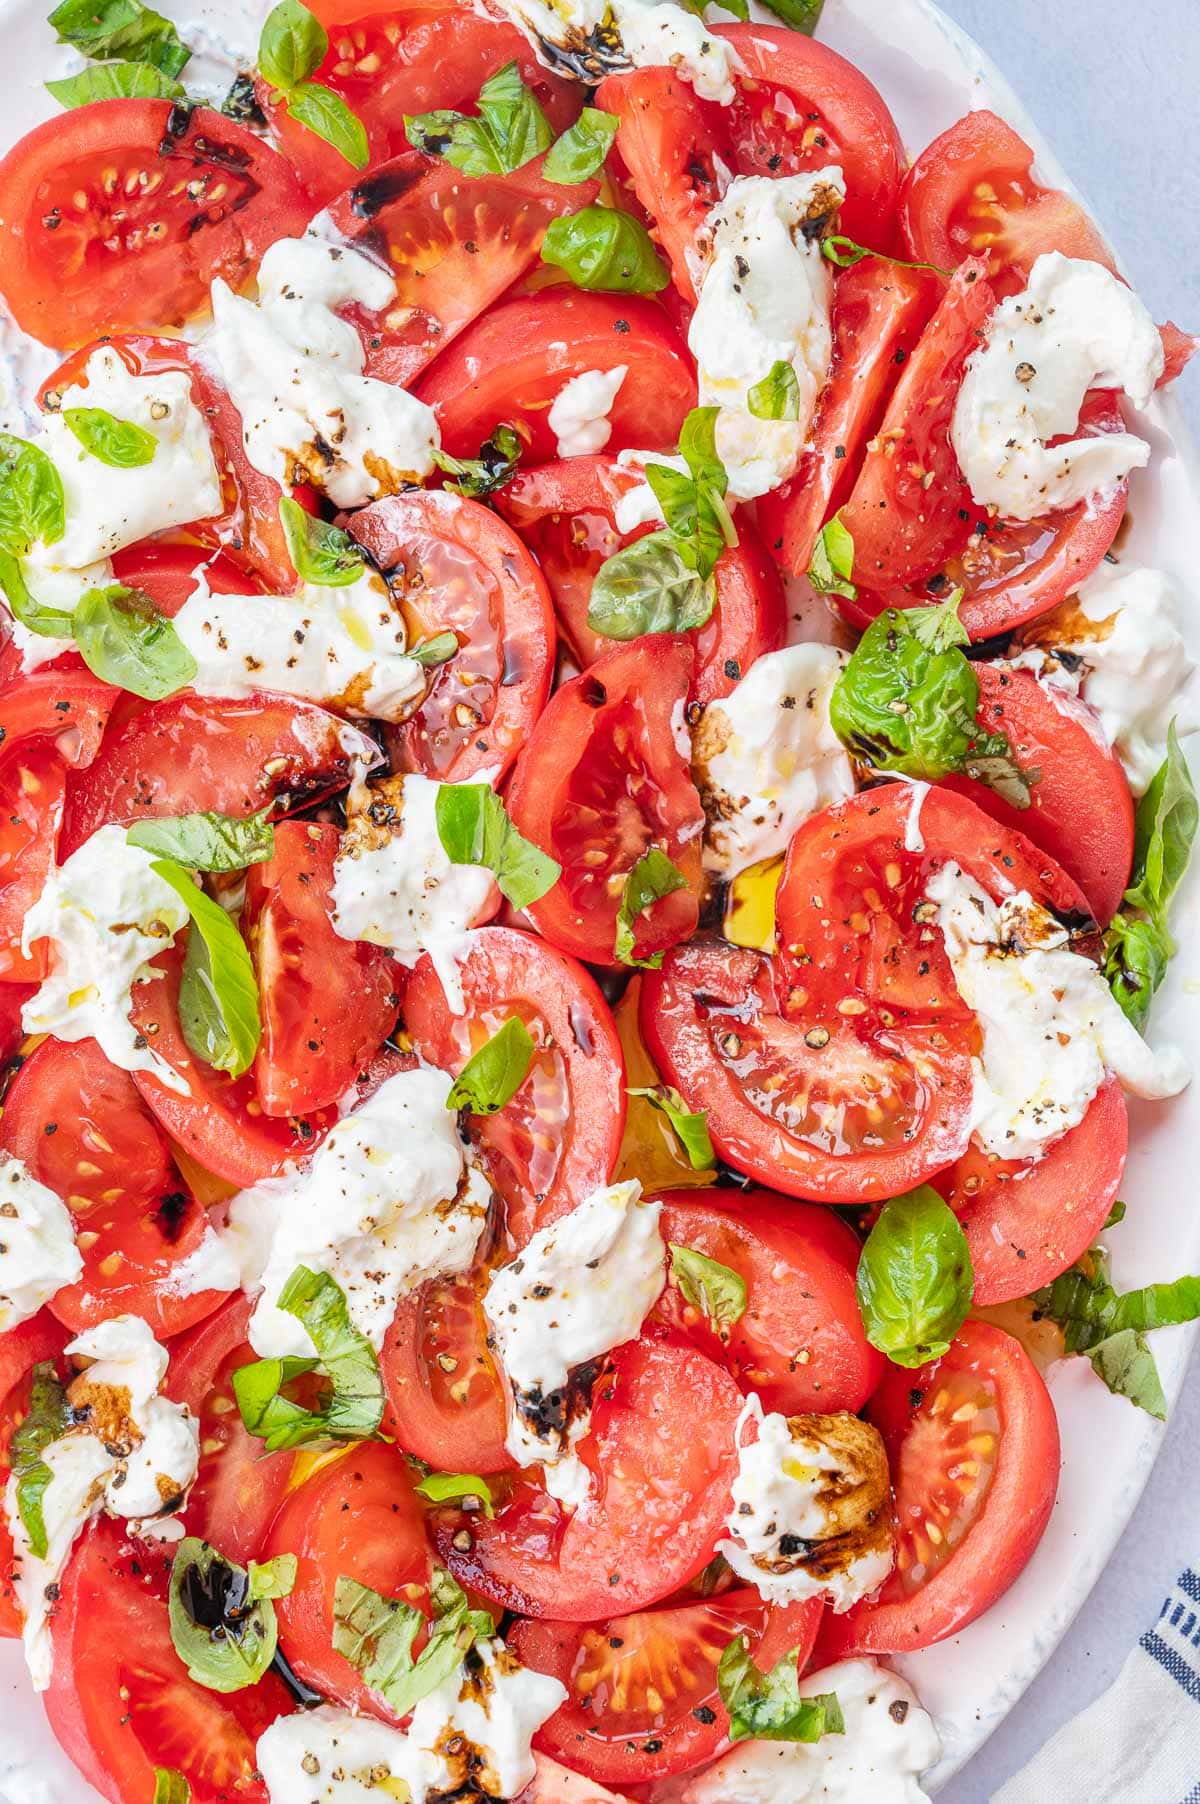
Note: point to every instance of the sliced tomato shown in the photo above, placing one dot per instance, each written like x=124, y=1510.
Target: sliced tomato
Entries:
x=21, y=1348
x=642, y=1690
x=555, y=1784
x=445, y=1399
x=65, y=709
x=511, y=364
x=454, y=567
x=661, y=1447
x=326, y=1003
x=119, y=215
x=565, y=512
x=973, y=1446
x=1028, y=1220
x=603, y=776
x=356, y=1518
x=78, y=1124
x=799, y=1343
x=13, y=997
x=120, y=1701
x=168, y=573
x=33, y=786
x=558, y=1139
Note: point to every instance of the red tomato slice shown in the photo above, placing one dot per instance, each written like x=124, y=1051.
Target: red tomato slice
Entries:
x=167, y=573
x=13, y=997
x=454, y=567
x=119, y=215
x=555, y=1784
x=602, y=777
x=65, y=709
x=21, y=1348
x=800, y=1343
x=1081, y=811
x=81, y=1128
x=643, y=1700
x=33, y=784
x=326, y=1003
x=357, y=1518
x=973, y=1446
x=445, y=1399
x=1026, y=1222
x=511, y=364
x=661, y=1447
x=237, y=1490
x=121, y=1703
x=564, y=511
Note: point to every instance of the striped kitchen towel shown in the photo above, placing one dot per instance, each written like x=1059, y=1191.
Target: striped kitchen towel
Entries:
x=1139, y=1743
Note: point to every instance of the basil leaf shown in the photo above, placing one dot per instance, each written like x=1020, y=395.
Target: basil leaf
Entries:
x=605, y=251
x=709, y=1286
x=801, y=15
x=273, y=1578
x=492, y=1076
x=652, y=877
x=1137, y=952
x=170, y=1786
x=292, y=45
x=126, y=639
x=690, y=1129
x=694, y=505
x=739, y=8
x=581, y=150
x=1167, y=817
x=121, y=444
x=777, y=396
x=832, y=561
x=510, y=131
x=1124, y=1363
x=218, y=992
x=493, y=469
x=48, y=1418
x=353, y=1409
x=327, y=116
x=121, y=30
x=438, y=650
x=48, y=623
x=446, y=1487
x=914, y=1278
x=322, y=554
x=115, y=81
x=846, y=252
x=207, y=842
x=376, y=1635
x=767, y=1705
x=647, y=588
x=1116, y=1214
x=33, y=508
x=1110, y=1328
x=238, y=1647
x=474, y=828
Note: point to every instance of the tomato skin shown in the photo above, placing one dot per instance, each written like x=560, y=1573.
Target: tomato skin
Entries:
x=455, y=1420
x=13, y=997
x=65, y=286
x=800, y=1344
x=33, y=787
x=167, y=573
x=1012, y=1517
x=603, y=761
x=67, y=708
x=511, y=364
x=558, y=1139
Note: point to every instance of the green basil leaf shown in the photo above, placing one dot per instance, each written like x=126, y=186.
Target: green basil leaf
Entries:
x=581, y=150
x=353, y=1409
x=121, y=444
x=1137, y=952
x=690, y=1129
x=447, y=1487
x=1124, y=1363
x=914, y=1278
x=1167, y=817
x=269, y=1413
x=832, y=561
x=709, y=1286
x=48, y=1418
x=218, y=992
x=207, y=842
x=437, y=650
x=493, y=469
x=1116, y=1214
x=33, y=508
x=846, y=252
x=204, y=1584
x=170, y=1786
x=492, y=1076
x=767, y=1706
x=647, y=588
x=273, y=1578
x=801, y=15
x=48, y=623
x=376, y=1635
x=694, y=523
x=121, y=31
x=605, y=251
x=474, y=828
x=322, y=554
x=292, y=45
x=777, y=396
x=1109, y=1328
x=652, y=877
x=327, y=116
x=115, y=81
x=126, y=639
x=510, y=131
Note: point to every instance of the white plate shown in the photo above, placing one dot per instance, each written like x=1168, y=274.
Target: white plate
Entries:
x=930, y=73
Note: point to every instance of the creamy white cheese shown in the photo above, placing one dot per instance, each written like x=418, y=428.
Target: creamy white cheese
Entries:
x=1051, y=1027
x=581, y=1287
x=765, y=757
x=889, y=1741
x=639, y=505
x=54, y=585
x=386, y=1201
x=616, y=34
x=1074, y=326
x=107, y=914
x=579, y=412
x=293, y=368
x=38, y=1255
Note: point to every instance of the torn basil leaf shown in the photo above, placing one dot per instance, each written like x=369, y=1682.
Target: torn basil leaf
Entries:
x=48, y=623
x=121, y=444
x=581, y=150
x=914, y=1278
x=327, y=116
x=121, y=31
x=170, y=1786
x=1138, y=945
x=225, y=1636
x=376, y=1635
x=322, y=554
x=652, y=877
x=647, y=588
x=272, y=1578
x=1109, y=1327
x=510, y=130
x=801, y=15
x=605, y=251
x=493, y=469
x=1137, y=951
x=718, y=1292
x=495, y=1072
x=767, y=1706
x=453, y=1487
x=691, y=1130
x=846, y=252
x=777, y=396
x=48, y=1417
x=125, y=638
x=292, y=45
x=351, y=1410
x=33, y=508
x=831, y=566
x=115, y=81
x=207, y=842
x=218, y=991
x=437, y=650
x=474, y=828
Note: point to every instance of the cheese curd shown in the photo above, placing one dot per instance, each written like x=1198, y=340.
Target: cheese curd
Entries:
x=579, y=412
x=765, y=757
x=1072, y=327
x=107, y=914
x=889, y=1741
x=594, y=37
x=811, y=1513
x=38, y=1255
x=581, y=1287
x=1051, y=1027
x=293, y=368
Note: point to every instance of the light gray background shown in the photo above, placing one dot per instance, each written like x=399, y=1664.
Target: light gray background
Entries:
x=1114, y=87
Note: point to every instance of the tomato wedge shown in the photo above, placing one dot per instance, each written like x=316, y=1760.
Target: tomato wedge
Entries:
x=445, y=1399
x=13, y=997
x=65, y=709
x=167, y=573
x=33, y=787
